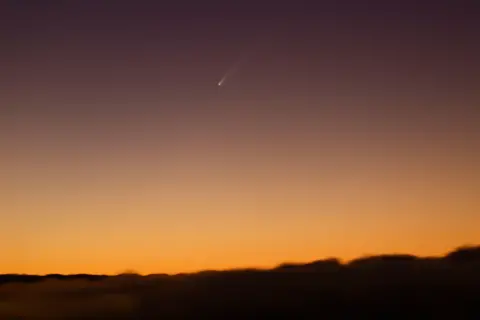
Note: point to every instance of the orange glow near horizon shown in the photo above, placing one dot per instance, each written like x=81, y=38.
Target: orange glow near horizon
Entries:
x=237, y=208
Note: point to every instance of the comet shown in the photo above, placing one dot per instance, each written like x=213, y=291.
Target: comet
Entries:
x=244, y=56
x=233, y=69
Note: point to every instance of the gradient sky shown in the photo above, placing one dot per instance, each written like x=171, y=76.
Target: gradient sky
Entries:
x=353, y=128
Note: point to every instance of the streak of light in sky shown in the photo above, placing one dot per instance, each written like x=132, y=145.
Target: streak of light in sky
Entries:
x=233, y=69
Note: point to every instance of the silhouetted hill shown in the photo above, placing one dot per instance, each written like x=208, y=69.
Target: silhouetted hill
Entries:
x=383, y=286
x=6, y=278
x=466, y=254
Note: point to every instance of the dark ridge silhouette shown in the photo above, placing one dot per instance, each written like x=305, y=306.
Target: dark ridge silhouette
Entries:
x=382, y=286
x=386, y=258
x=26, y=278
x=465, y=254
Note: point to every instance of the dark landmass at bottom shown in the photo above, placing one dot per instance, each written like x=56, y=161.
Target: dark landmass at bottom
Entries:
x=384, y=286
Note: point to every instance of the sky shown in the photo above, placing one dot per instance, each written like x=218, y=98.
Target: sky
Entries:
x=347, y=128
